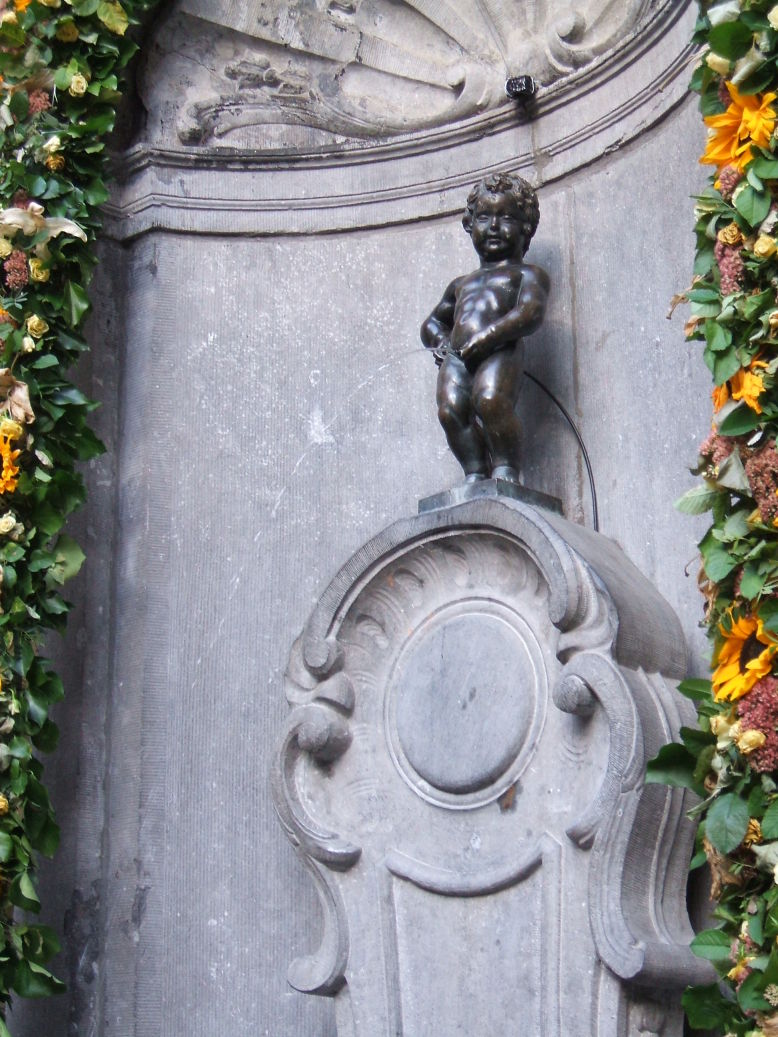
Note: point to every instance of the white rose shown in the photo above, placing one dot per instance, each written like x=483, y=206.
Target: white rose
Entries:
x=772, y=16
x=717, y=63
x=7, y=522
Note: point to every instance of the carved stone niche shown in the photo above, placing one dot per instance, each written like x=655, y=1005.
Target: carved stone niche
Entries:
x=474, y=699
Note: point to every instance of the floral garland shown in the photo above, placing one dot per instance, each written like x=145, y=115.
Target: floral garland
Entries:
x=59, y=66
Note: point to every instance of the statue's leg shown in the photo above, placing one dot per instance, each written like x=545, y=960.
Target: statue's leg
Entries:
x=496, y=387
x=458, y=420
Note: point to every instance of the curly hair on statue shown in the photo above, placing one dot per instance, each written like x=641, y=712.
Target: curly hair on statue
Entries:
x=523, y=194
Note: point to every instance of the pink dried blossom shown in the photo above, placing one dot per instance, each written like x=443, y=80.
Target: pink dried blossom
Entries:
x=715, y=449
x=39, y=101
x=17, y=275
x=762, y=474
x=20, y=199
x=758, y=711
x=729, y=178
x=730, y=265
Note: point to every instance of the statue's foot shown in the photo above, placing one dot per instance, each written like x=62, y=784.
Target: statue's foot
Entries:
x=476, y=477
x=506, y=472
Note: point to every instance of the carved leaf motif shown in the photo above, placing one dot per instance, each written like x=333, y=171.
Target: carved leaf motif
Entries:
x=377, y=68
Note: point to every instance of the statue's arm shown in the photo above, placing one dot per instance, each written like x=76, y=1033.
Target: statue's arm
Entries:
x=525, y=317
x=436, y=329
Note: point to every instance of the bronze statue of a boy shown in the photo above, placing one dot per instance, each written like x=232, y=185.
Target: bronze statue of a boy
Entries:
x=477, y=330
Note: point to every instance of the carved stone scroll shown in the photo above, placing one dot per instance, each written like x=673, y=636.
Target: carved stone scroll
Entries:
x=473, y=702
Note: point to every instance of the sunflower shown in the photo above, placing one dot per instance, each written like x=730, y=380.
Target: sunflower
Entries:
x=749, y=120
x=744, y=658
x=748, y=386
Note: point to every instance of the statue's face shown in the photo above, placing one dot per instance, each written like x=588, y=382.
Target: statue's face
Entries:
x=496, y=227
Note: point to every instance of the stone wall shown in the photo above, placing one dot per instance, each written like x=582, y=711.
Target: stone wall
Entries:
x=268, y=407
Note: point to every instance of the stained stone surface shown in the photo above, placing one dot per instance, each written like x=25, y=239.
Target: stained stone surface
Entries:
x=267, y=410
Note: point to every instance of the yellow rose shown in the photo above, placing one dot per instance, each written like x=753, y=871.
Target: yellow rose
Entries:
x=78, y=85
x=730, y=235
x=52, y=144
x=37, y=326
x=717, y=63
x=67, y=32
x=764, y=246
x=56, y=163
x=7, y=522
x=6, y=248
x=10, y=429
x=4, y=805
x=50, y=3
x=750, y=740
x=772, y=16
x=773, y=322
x=38, y=271
x=28, y=344
x=9, y=18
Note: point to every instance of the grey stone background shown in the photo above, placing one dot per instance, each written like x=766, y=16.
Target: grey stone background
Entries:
x=267, y=407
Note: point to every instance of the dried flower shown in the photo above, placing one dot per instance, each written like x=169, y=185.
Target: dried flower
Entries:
x=717, y=63
x=7, y=522
x=715, y=448
x=765, y=246
x=40, y=101
x=37, y=326
x=39, y=271
x=719, y=395
x=730, y=235
x=748, y=741
x=4, y=805
x=6, y=248
x=16, y=275
x=55, y=163
x=729, y=178
x=753, y=832
x=762, y=474
x=6, y=318
x=78, y=84
x=730, y=267
x=759, y=711
x=67, y=32
x=771, y=990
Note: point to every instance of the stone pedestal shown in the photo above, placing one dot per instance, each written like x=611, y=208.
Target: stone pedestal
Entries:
x=474, y=700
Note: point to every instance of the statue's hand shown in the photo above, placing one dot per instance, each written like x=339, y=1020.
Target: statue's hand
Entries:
x=441, y=350
x=476, y=349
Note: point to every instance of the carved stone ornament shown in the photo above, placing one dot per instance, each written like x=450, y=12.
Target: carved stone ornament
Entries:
x=473, y=703
x=310, y=98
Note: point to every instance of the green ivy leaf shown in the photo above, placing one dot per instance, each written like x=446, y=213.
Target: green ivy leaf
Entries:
x=727, y=822
x=76, y=303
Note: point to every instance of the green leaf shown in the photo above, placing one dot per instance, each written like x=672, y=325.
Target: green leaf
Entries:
x=752, y=581
x=770, y=822
x=712, y=944
x=741, y=420
x=730, y=39
x=69, y=557
x=31, y=980
x=723, y=365
x=76, y=303
x=19, y=104
x=749, y=995
x=766, y=168
x=697, y=500
x=113, y=16
x=672, y=765
x=716, y=559
x=752, y=205
x=727, y=822
x=705, y=1008
x=717, y=336
x=6, y=846
x=696, y=688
